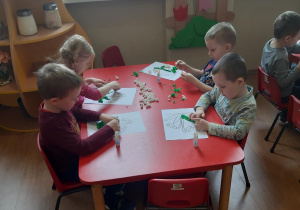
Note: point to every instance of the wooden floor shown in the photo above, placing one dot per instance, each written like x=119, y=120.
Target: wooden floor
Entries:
x=26, y=183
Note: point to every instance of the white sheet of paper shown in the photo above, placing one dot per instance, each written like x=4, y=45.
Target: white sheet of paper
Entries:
x=163, y=74
x=129, y=123
x=177, y=128
x=124, y=96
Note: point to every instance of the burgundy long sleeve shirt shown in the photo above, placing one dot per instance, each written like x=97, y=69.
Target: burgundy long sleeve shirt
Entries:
x=61, y=140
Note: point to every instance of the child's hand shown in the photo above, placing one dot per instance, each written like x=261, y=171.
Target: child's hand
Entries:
x=114, y=124
x=97, y=82
x=114, y=85
x=201, y=124
x=181, y=65
x=106, y=118
x=198, y=114
x=188, y=77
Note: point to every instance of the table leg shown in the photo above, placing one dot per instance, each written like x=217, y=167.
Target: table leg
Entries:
x=98, y=197
x=225, y=187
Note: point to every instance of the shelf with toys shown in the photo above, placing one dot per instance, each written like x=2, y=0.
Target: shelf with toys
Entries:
x=30, y=52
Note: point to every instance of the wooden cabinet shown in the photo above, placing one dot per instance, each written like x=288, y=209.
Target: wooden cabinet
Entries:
x=28, y=53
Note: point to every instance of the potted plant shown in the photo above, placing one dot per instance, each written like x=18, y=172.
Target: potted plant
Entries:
x=6, y=73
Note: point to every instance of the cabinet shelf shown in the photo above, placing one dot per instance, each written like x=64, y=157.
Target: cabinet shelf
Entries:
x=30, y=84
x=29, y=53
x=4, y=42
x=10, y=88
x=44, y=34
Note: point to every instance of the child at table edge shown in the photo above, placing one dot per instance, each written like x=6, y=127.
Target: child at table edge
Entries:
x=220, y=39
x=275, y=61
x=58, y=121
x=77, y=54
x=232, y=98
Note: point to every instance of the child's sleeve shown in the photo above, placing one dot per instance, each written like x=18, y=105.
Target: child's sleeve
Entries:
x=282, y=74
x=71, y=141
x=241, y=127
x=91, y=93
x=84, y=115
x=207, y=98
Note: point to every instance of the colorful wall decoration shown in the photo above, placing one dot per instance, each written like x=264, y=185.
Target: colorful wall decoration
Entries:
x=191, y=29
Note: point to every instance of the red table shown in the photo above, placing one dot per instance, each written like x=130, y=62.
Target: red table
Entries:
x=147, y=155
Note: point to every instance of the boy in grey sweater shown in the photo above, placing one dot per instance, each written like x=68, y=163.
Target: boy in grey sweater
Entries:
x=275, y=60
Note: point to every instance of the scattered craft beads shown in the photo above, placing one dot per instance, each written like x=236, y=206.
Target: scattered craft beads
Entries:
x=148, y=95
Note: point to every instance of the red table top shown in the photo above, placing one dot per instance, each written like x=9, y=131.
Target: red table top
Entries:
x=148, y=155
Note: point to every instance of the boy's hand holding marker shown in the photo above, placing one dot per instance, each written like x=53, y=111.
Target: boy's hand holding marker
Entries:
x=198, y=117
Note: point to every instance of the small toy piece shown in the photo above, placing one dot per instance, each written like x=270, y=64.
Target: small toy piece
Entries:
x=105, y=97
x=116, y=77
x=117, y=138
x=173, y=95
x=187, y=118
x=174, y=102
x=176, y=90
x=100, y=124
x=195, y=140
x=135, y=74
x=183, y=97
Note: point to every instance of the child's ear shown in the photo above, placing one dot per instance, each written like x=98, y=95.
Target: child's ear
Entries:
x=228, y=47
x=287, y=38
x=54, y=101
x=240, y=81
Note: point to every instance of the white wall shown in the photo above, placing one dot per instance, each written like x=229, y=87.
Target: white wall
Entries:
x=137, y=27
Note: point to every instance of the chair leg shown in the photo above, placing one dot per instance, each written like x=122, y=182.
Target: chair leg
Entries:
x=272, y=126
x=58, y=201
x=277, y=139
x=256, y=94
x=245, y=174
x=70, y=192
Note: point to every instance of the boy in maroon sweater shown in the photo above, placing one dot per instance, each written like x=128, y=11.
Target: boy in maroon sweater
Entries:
x=59, y=131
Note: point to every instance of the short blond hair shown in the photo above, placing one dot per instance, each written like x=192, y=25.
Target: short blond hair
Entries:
x=56, y=81
x=223, y=33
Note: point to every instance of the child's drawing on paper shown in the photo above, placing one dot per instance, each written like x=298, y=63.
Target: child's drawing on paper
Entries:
x=124, y=96
x=175, y=121
x=176, y=127
x=129, y=123
x=125, y=123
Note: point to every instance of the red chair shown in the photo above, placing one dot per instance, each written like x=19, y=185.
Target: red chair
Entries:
x=269, y=88
x=112, y=57
x=65, y=188
x=294, y=58
x=293, y=118
x=242, y=144
x=178, y=193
